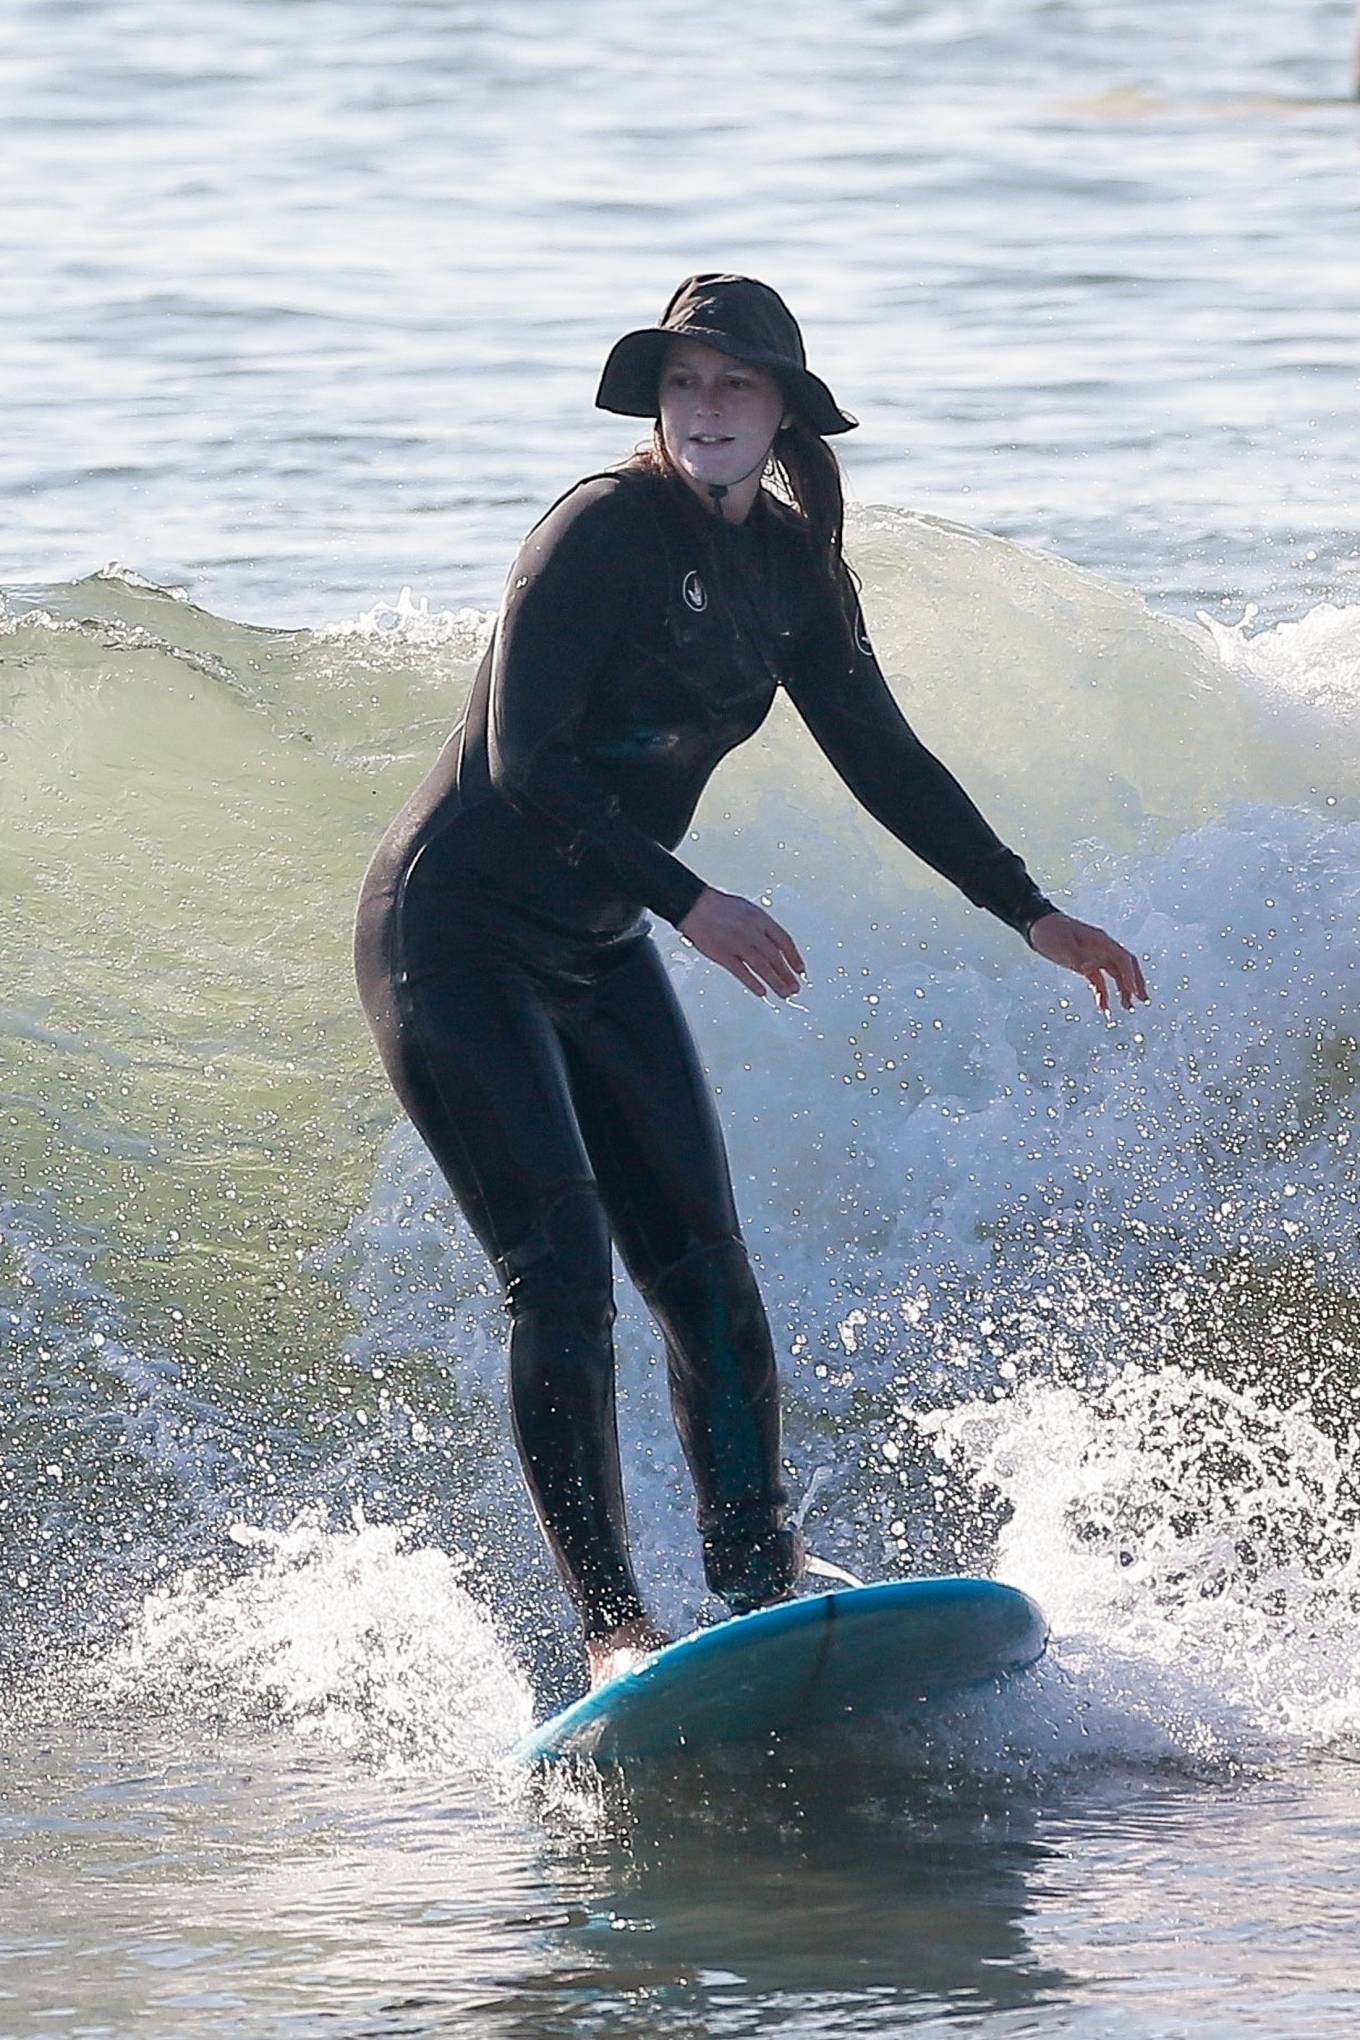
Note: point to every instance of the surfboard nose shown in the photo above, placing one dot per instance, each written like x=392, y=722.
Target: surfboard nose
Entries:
x=864, y=1654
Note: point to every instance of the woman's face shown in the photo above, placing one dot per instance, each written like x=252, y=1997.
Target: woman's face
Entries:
x=718, y=416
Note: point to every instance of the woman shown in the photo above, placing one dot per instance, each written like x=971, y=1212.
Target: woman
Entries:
x=504, y=958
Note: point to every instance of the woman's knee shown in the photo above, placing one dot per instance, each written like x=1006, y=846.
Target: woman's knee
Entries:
x=561, y=1268
x=708, y=1303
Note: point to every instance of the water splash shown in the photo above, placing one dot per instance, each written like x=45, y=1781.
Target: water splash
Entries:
x=1196, y=1544
x=355, y=1639
x=410, y=621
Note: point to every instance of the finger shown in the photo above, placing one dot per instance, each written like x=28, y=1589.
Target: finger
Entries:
x=1104, y=959
x=1122, y=977
x=777, y=976
x=746, y=977
x=788, y=946
x=775, y=968
x=765, y=942
x=1129, y=979
x=1139, y=981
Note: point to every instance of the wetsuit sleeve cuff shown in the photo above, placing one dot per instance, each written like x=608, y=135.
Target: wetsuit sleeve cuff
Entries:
x=1037, y=913
x=681, y=892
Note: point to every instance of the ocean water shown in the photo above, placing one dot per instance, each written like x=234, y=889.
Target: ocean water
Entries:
x=308, y=303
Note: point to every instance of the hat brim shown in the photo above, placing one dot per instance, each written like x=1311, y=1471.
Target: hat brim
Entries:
x=633, y=371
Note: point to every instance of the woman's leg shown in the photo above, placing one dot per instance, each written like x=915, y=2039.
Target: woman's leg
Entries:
x=476, y=1062
x=652, y=1132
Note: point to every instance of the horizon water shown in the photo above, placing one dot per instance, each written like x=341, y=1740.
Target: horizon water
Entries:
x=312, y=303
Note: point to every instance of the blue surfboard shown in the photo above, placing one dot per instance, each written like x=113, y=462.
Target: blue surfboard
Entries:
x=824, y=1661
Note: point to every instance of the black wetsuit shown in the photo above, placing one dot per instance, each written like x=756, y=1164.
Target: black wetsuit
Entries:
x=529, y=1025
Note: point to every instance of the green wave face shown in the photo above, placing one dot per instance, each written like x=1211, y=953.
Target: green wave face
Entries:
x=188, y=809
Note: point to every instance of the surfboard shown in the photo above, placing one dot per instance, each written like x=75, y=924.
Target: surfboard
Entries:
x=823, y=1661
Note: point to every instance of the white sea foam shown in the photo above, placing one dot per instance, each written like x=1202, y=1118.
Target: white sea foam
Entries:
x=1310, y=663
x=1196, y=1545
x=355, y=1638
x=410, y=620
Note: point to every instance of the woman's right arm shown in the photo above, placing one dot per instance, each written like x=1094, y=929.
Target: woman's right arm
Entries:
x=566, y=599
x=565, y=603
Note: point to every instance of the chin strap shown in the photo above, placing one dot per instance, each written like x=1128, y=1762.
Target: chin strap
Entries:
x=718, y=490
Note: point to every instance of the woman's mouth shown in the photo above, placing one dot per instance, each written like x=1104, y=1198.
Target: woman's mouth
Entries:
x=711, y=438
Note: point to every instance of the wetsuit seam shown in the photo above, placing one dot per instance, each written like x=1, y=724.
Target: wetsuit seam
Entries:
x=690, y=1255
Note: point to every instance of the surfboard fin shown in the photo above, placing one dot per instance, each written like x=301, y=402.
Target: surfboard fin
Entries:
x=822, y=1568
x=818, y=1476
x=825, y=1570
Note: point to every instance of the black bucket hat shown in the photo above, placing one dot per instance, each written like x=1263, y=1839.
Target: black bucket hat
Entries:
x=738, y=316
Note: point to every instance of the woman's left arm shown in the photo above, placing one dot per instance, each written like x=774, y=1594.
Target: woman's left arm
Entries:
x=842, y=696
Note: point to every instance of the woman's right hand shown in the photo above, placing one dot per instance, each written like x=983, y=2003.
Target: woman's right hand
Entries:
x=744, y=939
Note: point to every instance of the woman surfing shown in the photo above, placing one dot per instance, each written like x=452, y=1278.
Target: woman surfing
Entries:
x=522, y=1010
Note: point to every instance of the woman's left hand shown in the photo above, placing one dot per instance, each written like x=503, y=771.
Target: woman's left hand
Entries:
x=1076, y=945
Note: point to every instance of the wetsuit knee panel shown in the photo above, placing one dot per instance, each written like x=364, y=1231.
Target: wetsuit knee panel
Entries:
x=723, y=1264
x=710, y=1297
x=562, y=1265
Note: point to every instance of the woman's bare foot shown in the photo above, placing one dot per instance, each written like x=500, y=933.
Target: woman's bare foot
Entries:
x=623, y=1649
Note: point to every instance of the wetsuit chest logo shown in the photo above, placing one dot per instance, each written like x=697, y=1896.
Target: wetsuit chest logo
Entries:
x=694, y=592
